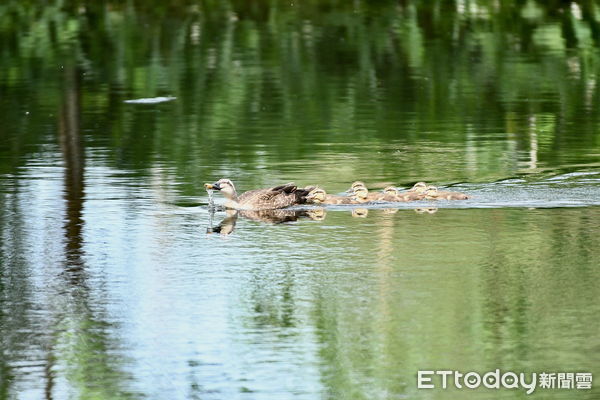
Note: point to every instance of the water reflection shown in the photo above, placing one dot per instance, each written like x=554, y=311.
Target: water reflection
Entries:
x=69, y=131
x=280, y=216
x=106, y=289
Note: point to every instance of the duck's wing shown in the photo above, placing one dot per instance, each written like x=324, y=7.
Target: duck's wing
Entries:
x=275, y=197
x=266, y=193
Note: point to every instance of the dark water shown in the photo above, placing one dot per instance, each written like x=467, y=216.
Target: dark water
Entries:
x=117, y=282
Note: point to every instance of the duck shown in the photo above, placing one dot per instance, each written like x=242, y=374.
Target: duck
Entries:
x=361, y=193
x=419, y=187
x=417, y=192
x=320, y=196
x=259, y=199
x=390, y=194
x=354, y=185
x=434, y=194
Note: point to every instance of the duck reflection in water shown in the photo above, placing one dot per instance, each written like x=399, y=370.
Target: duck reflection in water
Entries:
x=360, y=212
x=228, y=224
x=426, y=210
x=280, y=216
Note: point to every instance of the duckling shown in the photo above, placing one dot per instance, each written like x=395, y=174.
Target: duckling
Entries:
x=361, y=194
x=319, y=196
x=354, y=185
x=418, y=187
x=436, y=194
x=417, y=192
x=447, y=195
x=259, y=199
x=431, y=193
x=390, y=194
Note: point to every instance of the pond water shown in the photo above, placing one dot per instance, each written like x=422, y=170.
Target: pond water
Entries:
x=118, y=282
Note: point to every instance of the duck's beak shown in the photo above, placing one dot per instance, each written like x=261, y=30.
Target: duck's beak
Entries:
x=214, y=186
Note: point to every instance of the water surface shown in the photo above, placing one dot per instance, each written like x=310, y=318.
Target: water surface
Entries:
x=116, y=281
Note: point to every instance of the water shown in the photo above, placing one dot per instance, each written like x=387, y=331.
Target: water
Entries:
x=118, y=279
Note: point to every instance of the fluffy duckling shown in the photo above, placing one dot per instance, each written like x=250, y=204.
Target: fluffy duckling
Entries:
x=418, y=187
x=417, y=192
x=390, y=194
x=320, y=196
x=355, y=185
x=361, y=193
x=435, y=194
x=446, y=195
x=431, y=193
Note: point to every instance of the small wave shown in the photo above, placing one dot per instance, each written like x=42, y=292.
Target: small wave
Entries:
x=150, y=100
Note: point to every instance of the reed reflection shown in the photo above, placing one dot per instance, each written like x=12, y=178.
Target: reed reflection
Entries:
x=74, y=164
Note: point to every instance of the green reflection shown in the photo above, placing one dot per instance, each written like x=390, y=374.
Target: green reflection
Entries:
x=275, y=84
x=318, y=92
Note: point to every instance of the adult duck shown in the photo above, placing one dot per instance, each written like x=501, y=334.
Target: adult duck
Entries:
x=259, y=199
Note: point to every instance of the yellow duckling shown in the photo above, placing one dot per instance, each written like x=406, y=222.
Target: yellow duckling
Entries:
x=431, y=193
x=390, y=194
x=435, y=194
x=361, y=193
x=320, y=196
x=354, y=185
x=418, y=187
x=417, y=192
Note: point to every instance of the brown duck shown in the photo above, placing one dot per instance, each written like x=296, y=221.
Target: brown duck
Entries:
x=259, y=199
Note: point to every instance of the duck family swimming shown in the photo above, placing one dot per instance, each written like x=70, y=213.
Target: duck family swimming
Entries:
x=290, y=195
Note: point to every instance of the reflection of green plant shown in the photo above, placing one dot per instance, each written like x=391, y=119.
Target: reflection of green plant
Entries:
x=245, y=73
x=87, y=355
x=318, y=72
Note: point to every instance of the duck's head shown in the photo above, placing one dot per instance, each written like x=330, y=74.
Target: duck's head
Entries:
x=316, y=196
x=390, y=190
x=224, y=185
x=356, y=184
x=361, y=193
x=419, y=187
